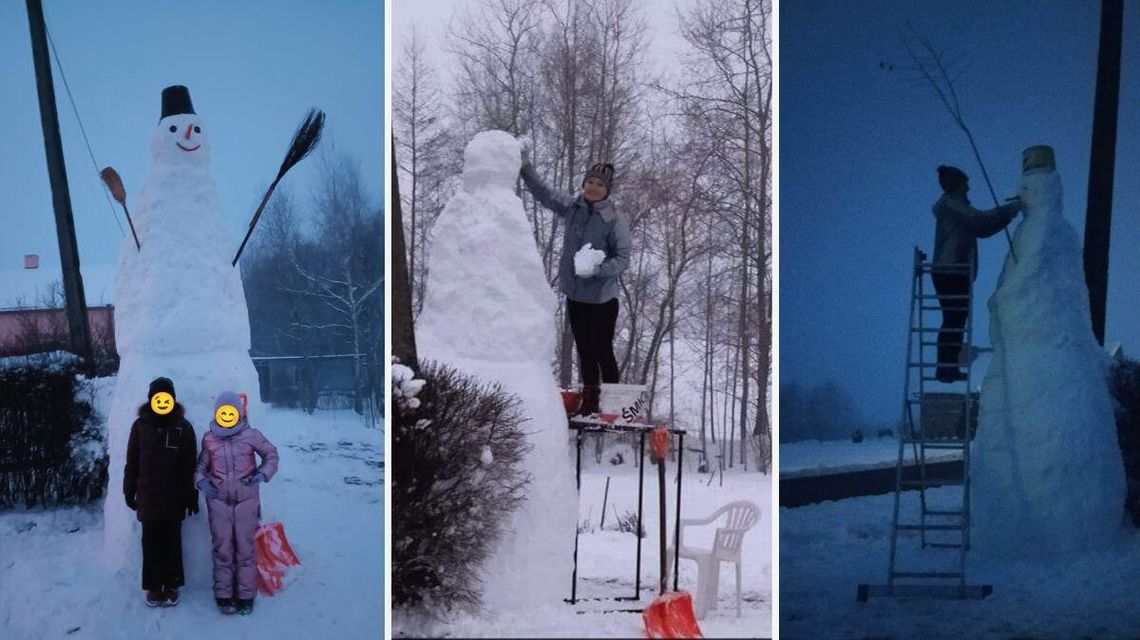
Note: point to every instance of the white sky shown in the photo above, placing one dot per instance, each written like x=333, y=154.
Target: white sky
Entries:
x=431, y=17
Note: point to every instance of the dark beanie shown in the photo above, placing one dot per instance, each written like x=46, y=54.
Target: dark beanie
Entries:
x=603, y=172
x=159, y=385
x=950, y=178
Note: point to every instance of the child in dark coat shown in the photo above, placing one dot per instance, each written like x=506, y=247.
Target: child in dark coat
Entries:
x=158, y=485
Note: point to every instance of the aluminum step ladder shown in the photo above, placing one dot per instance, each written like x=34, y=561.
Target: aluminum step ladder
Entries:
x=933, y=421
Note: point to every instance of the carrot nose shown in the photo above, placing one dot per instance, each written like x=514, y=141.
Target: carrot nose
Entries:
x=189, y=128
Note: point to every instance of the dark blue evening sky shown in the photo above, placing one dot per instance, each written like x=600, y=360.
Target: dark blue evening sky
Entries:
x=253, y=69
x=858, y=151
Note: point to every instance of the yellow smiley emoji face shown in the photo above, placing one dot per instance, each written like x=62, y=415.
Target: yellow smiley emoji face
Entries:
x=162, y=403
x=227, y=416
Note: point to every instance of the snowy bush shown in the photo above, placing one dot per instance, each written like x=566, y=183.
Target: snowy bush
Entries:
x=405, y=386
x=457, y=447
x=1125, y=381
x=53, y=450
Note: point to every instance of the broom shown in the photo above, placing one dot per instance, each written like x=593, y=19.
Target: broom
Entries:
x=304, y=141
x=115, y=185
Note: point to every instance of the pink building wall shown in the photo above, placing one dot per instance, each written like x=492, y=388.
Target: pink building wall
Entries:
x=14, y=322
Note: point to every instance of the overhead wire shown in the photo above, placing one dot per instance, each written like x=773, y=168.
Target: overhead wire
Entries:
x=82, y=130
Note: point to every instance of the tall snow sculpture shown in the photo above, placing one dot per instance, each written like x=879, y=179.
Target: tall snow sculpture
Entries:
x=1047, y=472
x=490, y=312
x=180, y=312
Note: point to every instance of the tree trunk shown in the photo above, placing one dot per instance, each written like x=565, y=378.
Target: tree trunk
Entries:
x=403, y=331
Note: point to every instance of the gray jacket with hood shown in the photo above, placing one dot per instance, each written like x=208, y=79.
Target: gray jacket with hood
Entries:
x=597, y=223
x=960, y=225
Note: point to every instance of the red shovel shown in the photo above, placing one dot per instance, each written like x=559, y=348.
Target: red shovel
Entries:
x=670, y=615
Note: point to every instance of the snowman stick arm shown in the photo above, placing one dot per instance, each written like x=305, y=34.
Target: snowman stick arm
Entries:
x=931, y=68
x=989, y=185
x=115, y=186
x=305, y=139
x=131, y=224
x=253, y=222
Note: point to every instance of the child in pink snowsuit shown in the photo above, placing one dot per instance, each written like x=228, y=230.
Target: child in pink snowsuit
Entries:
x=228, y=475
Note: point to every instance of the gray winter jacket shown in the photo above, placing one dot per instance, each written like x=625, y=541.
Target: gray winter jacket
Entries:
x=598, y=224
x=960, y=225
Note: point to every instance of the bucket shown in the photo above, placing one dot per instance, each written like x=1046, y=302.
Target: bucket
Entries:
x=1037, y=159
x=623, y=402
x=571, y=400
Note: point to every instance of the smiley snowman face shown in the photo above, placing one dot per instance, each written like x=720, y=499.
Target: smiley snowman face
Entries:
x=180, y=139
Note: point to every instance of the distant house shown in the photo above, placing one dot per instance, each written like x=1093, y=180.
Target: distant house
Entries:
x=33, y=318
x=325, y=381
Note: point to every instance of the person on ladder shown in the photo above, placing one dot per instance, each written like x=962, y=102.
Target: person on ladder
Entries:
x=595, y=252
x=956, y=234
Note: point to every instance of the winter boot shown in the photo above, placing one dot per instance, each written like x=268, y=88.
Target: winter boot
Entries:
x=225, y=605
x=153, y=597
x=170, y=597
x=591, y=395
x=244, y=606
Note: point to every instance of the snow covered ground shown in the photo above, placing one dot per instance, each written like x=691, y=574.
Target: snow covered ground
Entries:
x=606, y=562
x=826, y=550
x=815, y=456
x=329, y=496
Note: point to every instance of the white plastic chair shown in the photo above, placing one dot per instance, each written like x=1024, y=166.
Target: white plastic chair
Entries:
x=741, y=516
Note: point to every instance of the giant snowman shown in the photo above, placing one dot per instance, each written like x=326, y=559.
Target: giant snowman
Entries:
x=490, y=312
x=1047, y=474
x=180, y=312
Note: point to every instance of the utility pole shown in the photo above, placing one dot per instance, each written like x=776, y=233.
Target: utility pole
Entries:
x=1102, y=162
x=80, y=333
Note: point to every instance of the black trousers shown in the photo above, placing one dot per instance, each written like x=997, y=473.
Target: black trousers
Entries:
x=955, y=312
x=162, y=554
x=593, y=328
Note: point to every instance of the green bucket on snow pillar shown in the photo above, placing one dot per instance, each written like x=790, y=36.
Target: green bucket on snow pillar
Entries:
x=1038, y=159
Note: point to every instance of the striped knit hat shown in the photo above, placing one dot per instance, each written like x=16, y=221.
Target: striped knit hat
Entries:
x=603, y=172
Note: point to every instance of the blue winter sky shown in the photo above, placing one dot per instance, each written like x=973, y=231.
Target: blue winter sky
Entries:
x=253, y=69
x=858, y=151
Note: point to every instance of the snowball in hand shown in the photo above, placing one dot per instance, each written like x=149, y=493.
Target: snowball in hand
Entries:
x=587, y=260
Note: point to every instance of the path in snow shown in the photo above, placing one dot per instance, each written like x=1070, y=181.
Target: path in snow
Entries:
x=606, y=562
x=328, y=495
x=826, y=550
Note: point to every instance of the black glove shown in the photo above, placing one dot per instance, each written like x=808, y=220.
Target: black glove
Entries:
x=192, y=504
x=132, y=501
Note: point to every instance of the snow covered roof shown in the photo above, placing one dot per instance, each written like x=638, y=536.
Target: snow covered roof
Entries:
x=26, y=288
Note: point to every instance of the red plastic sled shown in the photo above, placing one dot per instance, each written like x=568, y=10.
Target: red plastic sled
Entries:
x=273, y=555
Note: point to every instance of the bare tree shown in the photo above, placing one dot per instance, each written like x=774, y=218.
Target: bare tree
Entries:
x=318, y=288
x=729, y=98
x=694, y=176
x=495, y=43
x=425, y=152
